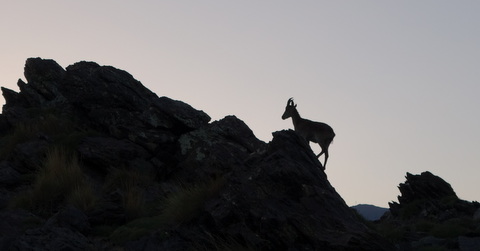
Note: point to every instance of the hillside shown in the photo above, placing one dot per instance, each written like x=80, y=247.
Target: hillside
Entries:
x=90, y=159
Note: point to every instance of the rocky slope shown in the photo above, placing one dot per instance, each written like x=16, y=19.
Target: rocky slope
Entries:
x=90, y=159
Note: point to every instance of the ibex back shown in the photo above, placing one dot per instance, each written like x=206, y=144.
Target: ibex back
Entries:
x=316, y=132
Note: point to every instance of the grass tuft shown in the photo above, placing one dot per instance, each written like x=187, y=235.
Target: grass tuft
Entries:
x=134, y=203
x=132, y=183
x=60, y=180
x=83, y=197
x=185, y=204
x=179, y=207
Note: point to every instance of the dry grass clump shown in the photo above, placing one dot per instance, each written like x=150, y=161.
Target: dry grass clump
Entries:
x=183, y=205
x=83, y=197
x=179, y=207
x=61, y=171
x=60, y=180
x=132, y=184
x=134, y=203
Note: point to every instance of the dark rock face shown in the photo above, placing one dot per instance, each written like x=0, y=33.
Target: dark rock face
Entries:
x=135, y=149
x=216, y=149
x=104, y=152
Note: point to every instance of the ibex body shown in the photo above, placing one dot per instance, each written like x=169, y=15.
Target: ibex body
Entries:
x=316, y=132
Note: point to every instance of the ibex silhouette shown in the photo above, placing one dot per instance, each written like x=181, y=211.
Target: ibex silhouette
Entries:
x=316, y=132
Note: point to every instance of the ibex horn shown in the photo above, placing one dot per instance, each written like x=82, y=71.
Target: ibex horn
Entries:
x=290, y=101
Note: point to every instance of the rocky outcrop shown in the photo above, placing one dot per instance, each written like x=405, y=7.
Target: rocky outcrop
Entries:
x=425, y=186
x=138, y=155
x=430, y=215
x=103, y=98
x=429, y=196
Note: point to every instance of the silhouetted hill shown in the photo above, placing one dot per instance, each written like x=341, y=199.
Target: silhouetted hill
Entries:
x=90, y=159
x=370, y=212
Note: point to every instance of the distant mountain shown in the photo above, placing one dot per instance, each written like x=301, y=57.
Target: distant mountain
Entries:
x=370, y=212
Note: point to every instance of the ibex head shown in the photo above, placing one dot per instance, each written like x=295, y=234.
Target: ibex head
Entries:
x=290, y=109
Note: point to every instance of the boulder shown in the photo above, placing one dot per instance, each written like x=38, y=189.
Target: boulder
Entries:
x=51, y=238
x=13, y=224
x=468, y=243
x=8, y=175
x=71, y=218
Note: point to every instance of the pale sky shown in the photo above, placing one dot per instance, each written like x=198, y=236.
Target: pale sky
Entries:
x=397, y=80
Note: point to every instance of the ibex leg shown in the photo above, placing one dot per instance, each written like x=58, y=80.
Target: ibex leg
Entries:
x=324, y=150
x=320, y=154
x=326, y=158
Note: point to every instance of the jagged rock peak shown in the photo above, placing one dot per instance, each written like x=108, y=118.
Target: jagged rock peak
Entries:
x=38, y=69
x=108, y=99
x=424, y=186
x=428, y=196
